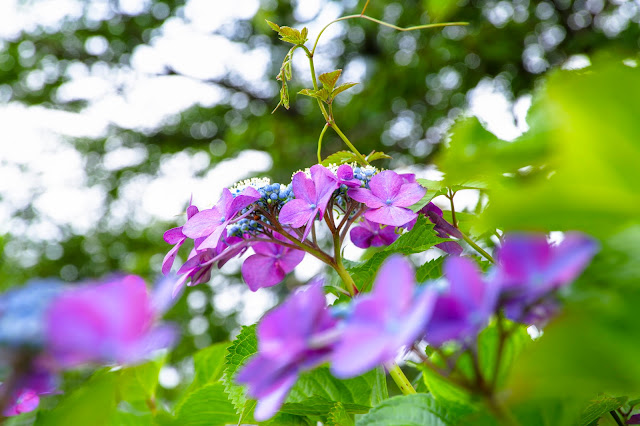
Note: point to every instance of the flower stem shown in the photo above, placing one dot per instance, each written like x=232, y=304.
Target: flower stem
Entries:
x=454, y=222
x=324, y=129
x=346, y=140
x=340, y=269
x=312, y=68
x=477, y=247
x=399, y=378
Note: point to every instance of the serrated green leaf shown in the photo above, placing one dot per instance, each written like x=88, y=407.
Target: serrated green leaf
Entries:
x=431, y=270
x=419, y=239
x=207, y=406
x=240, y=350
x=377, y=155
x=317, y=391
x=209, y=364
x=409, y=410
x=341, y=88
x=329, y=79
x=338, y=416
x=275, y=27
x=599, y=407
x=340, y=157
x=293, y=36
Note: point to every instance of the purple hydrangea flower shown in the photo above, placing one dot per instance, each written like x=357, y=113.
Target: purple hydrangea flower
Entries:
x=289, y=342
x=381, y=322
x=465, y=307
x=271, y=263
x=26, y=395
x=369, y=234
x=530, y=268
x=345, y=177
x=209, y=224
x=443, y=228
x=389, y=198
x=109, y=322
x=177, y=238
x=312, y=196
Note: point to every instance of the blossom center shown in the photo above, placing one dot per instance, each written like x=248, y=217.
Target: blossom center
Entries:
x=388, y=202
x=312, y=206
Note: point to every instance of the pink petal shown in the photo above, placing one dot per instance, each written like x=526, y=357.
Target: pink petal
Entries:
x=390, y=215
x=173, y=235
x=365, y=196
x=261, y=271
x=303, y=188
x=410, y=193
x=248, y=196
x=169, y=258
x=290, y=259
x=361, y=237
x=203, y=223
x=296, y=213
x=386, y=185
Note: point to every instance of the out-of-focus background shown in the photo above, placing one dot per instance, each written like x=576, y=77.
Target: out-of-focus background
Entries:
x=114, y=113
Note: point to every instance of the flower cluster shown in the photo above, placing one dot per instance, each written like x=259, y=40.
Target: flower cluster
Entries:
x=46, y=327
x=304, y=332
x=278, y=221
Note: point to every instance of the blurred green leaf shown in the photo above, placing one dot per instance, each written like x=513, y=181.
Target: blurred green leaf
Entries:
x=407, y=410
x=139, y=382
x=209, y=364
x=430, y=270
x=207, y=406
x=600, y=406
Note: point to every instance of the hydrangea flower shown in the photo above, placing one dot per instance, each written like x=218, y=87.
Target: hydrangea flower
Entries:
x=393, y=315
x=465, y=307
x=312, y=196
x=209, y=224
x=106, y=323
x=287, y=345
x=389, y=198
x=443, y=228
x=370, y=234
x=176, y=237
x=270, y=263
x=530, y=268
x=27, y=390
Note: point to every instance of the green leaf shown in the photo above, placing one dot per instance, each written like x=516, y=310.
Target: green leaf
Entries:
x=240, y=350
x=122, y=418
x=409, y=410
x=377, y=155
x=431, y=270
x=207, y=406
x=139, y=383
x=599, y=407
x=92, y=404
x=341, y=88
x=338, y=416
x=317, y=391
x=318, y=94
x=274, y=27
x=209, y=364
x=419, y=239
x=340, y=157
x=293, y=36
x=329, y=79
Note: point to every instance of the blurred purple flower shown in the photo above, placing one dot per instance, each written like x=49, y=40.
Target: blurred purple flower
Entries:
x=105, y=323
x=290, y=340
x=27, y=390
x=466, y=305
x=369, y=234
x=388, y=198
x=176, y=237
x=634, y=420
x=529, y=269
x=209, y=224
x=381, y=322
x=271, y=263
x=312, y=196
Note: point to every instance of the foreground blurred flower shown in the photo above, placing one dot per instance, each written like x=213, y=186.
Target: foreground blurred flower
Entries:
x=388, y=198
x=25, y=395
x=393, y=315
x=270, y=264
x=529, y=269
x=105, y=323
x=289, y=342
x=465, y=307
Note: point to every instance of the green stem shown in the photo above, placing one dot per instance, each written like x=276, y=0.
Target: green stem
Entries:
x=339, y=267
x=368, y=18
x=399, y=378
x=324, y=129
x=312, y=68
x=454, y=222
x=477, y=248
x=346, y=140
